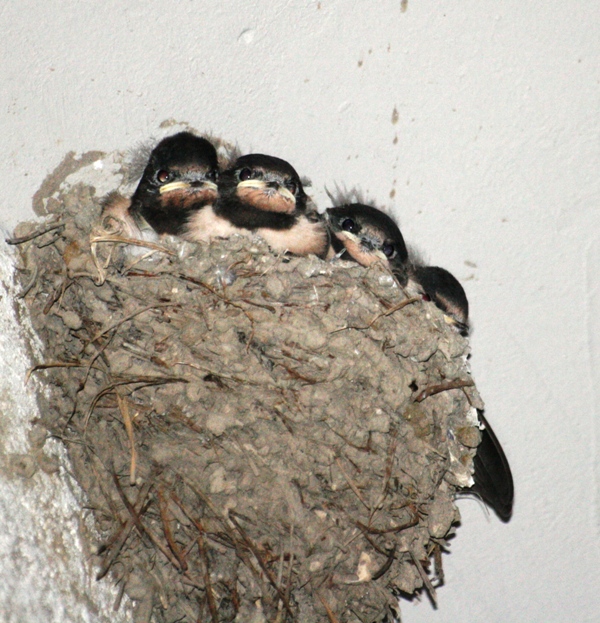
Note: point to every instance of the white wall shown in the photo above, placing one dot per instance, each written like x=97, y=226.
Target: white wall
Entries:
x=481, y=116
x=46, y=572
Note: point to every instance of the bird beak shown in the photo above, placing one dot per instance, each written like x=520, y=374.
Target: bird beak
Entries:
x=167, y=188
x=255, y=184
x=286, y=194
x=262, y=185
x=206, y=185
x=381, y=255
x=346, y=235
x=267, y=196
x=209, y=186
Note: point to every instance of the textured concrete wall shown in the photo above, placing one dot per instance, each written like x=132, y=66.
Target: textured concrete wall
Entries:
x=45, y=567
x=477, y=122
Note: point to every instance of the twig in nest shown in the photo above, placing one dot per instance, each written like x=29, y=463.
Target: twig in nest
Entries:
x=89, y=365
x=55, y=364
x=280, y=570
x=31, y=283
x=119, y=597
x=144, y=381
x=219, y=517
x=369, y=529
x=437, y=563
x=221, y=297
x=374, y=545
x=367, y=448
x=162, y=506
x=143, y=530
x=46, y=243
x=132, y=241
x=195, y=366
x=425, y=578
x=351, y=484
x=116, y=542
x=273, y=581
x=176, y=414
x=386, y=565
x=395, y=308
x=442, y=387
x=389, y=464
x=187, y=513
x=140, y=259
x=202, y=545
x=146, y=274
x=281, y=416
x=217, y=514
x=57, y=294
x=99, y=352
x=210, y=598
x=124, y=409
x=107, y=236
x=227, y=301
x=330, y=614
x=100, y=266
x=137, y=312
x=35, y=234
x=387, y=312
x=288, y=584
x=297, y=376
x=103, y=485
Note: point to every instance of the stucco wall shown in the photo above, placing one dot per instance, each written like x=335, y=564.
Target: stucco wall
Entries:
x=477, y=122
x=45, y=567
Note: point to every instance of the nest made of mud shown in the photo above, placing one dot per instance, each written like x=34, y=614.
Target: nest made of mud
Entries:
x=261, y=438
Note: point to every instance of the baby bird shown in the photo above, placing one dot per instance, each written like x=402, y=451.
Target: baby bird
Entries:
x=264, y=195
x=442, y=288
x=492, y=476
x=368, y=236
x=179, y=181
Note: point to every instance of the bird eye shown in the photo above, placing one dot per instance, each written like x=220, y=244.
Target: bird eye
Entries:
x=349, y=225
x=163, y=176
x=245, y=174
x=388, y=250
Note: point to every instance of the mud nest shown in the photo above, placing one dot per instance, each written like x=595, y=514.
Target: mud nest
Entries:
x=260, y=437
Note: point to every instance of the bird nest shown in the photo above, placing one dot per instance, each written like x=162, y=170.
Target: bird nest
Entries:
x=260, y=437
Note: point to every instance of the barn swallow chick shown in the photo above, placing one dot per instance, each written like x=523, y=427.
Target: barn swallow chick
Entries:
x=443, y=289
x=493, y=481
x=118, y=219
x=370, y=236
x=264, y=195
x=179, y=181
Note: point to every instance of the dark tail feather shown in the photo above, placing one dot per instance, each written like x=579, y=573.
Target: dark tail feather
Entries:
x=492, y=475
